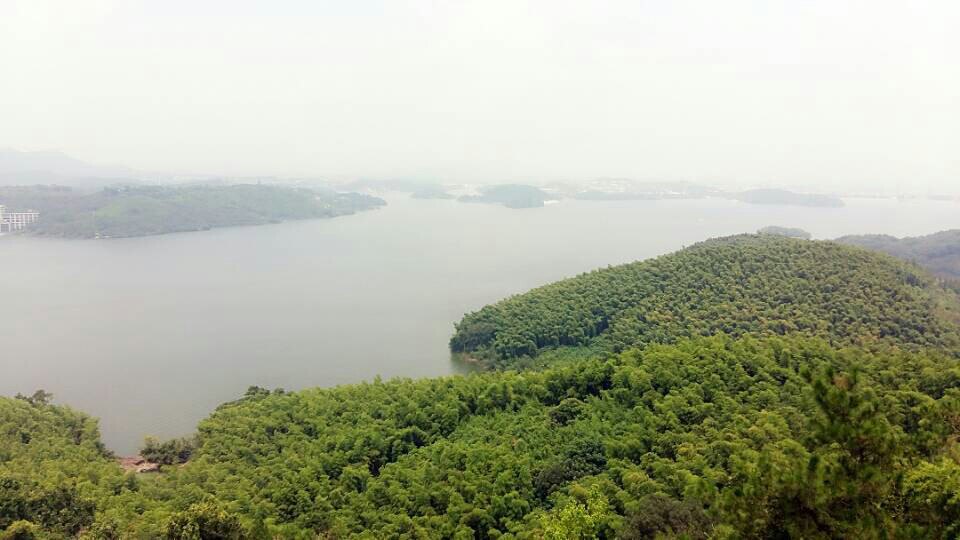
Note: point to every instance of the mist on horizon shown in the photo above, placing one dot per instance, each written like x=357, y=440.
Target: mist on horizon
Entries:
x=822, y=96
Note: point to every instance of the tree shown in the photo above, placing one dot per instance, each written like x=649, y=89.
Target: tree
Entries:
x=169, y=452
x=575, y=520
x=203, y=521
x=39, y=398
x=20, y=530
x=841, y=485
x=661, y=515
x=566, y=411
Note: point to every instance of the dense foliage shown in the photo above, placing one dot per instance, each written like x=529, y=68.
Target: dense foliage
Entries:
x=714, y=437
x=168, y=452
x=53, y=468
x=760, y=284
x=939, y=252
x=146, y=210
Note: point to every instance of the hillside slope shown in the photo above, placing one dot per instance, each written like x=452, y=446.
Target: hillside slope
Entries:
x=712, y=437
x=759, y=284
x=939, y=252
x=53, y=468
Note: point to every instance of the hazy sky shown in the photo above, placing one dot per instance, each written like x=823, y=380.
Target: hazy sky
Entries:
x=821, y=93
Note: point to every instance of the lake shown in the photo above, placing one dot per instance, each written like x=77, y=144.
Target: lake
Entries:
x=151, y=334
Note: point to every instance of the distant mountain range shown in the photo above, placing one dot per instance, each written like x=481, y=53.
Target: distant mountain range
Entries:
x=25, y=168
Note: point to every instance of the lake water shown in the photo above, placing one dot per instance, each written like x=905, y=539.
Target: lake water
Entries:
x=150, y=334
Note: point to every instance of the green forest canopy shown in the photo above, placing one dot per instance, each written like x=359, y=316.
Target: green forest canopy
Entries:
x=761, y=284
x=713, y=437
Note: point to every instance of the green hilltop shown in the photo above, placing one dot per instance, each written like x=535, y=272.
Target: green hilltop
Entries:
x=749, y=284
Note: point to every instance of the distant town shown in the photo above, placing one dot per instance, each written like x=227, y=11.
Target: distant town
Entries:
x=16, y=221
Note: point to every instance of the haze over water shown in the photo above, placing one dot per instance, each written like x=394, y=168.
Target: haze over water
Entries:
x=151, y=334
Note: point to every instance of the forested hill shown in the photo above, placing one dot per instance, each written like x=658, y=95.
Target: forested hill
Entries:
x=709, y=438
x=146, y=210
x=759, y=284
x=938, y=253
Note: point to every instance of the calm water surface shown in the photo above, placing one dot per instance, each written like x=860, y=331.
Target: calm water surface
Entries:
x=150, y=334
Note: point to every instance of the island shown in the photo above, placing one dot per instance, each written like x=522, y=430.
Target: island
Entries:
x=510, y=195
x=418, y=189
x=624, y=189
x=124, y=211
x=788, y=232
x=431, y=191
x=786, y=198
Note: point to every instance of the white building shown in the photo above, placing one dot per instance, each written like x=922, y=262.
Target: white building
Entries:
x=16, y=221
